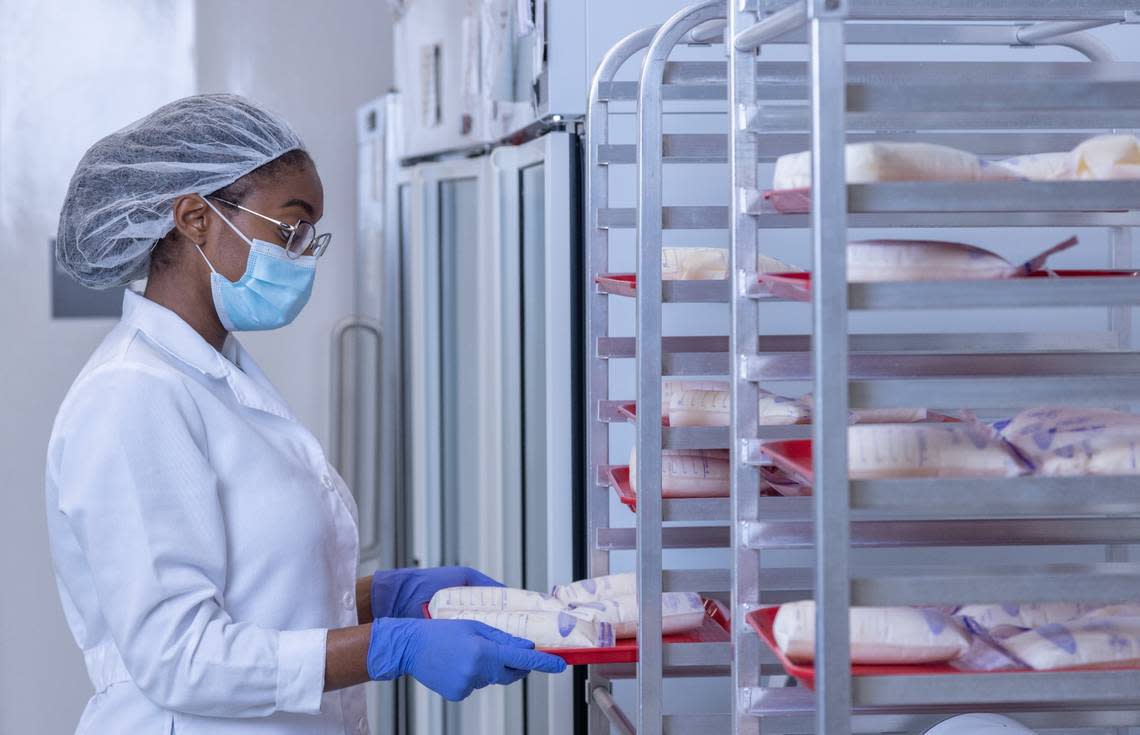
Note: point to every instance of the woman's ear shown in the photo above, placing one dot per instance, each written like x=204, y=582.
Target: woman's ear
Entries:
x=191, y=218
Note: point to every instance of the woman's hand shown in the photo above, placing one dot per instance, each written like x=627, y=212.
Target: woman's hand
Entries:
x=453, y=657
x=402, y=593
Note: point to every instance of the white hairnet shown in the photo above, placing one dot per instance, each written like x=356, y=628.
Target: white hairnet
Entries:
x=121, y=198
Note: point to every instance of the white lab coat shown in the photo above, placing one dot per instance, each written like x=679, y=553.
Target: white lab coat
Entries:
x=202, y=543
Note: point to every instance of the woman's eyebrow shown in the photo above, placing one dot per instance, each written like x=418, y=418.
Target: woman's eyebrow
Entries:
x=300, y=203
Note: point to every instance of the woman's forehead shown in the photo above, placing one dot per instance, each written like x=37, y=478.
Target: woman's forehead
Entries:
x=298, y=190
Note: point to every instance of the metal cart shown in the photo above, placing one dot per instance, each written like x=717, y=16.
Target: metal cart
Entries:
x=1010, y=108
x=820, y=105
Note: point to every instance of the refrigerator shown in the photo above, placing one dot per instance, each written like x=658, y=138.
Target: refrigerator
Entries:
x=460, y=388
x=463, y=401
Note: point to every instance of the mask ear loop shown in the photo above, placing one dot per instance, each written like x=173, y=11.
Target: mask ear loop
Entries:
x=203, y=254
x=227, y=221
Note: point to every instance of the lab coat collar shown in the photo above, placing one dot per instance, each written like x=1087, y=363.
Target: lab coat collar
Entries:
x=172, y=334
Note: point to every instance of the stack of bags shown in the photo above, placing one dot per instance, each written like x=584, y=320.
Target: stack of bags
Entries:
x=1074, y=441
x=976, y=637
x=1102, y=158
x=589, y=613
x=708, y=264
x=1045, y=441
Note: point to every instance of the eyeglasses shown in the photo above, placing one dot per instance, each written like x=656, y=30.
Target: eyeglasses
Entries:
x=300, y=239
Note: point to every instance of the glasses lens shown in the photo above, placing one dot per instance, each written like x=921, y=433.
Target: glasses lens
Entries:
x=321, y=244
x=303, y=238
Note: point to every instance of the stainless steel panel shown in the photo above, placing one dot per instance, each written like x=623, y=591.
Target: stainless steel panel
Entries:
x=1104, y=583
x=829, y=364
x=683, y=537
x=797, y=366
x=1006, y=497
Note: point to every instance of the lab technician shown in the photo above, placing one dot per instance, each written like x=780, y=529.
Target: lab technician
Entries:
x=204, y=549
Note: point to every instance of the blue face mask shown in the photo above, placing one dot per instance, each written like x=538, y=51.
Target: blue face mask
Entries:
x=271, y=292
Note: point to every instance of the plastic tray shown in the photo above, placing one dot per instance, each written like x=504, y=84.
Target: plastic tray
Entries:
x=714, y=629
x=629, y=411
x=793, y=456
x=618, y=284
x=763, y=619
x=797, y=286
x=618, y=478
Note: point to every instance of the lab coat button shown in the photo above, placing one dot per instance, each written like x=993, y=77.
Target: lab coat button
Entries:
x=362, y=726
x=326, y=481
x=349, y=602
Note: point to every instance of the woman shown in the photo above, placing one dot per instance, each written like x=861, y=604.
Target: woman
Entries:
x=204, y=548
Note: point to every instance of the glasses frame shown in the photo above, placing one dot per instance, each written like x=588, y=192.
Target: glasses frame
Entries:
x=320, y=242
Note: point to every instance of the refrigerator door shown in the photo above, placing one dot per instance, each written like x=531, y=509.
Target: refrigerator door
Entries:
x=490, y=429
x=367, y=377
x=451, y=422
x=537, y=192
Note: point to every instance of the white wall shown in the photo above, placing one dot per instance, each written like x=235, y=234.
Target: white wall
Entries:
x=70, y=73
x=57, y=72
x=314, y=65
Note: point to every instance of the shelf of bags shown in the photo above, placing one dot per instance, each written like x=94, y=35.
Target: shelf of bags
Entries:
x=959, y=497
x=694, y=437
x=962, y=196
x=1037, y=289
x=672, y=437
x=707, y=645
x=932, y=684
x=715, y=509
x=780, y=499
x=1008, y=497
x=672, y=292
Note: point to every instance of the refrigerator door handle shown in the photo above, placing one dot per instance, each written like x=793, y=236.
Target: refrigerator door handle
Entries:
x=336, y=443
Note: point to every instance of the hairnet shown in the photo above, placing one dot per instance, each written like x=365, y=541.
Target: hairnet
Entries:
x=121, y=198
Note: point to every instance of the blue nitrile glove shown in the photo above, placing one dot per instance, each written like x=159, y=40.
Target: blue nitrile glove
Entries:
x=402, y=593
x=453, y=657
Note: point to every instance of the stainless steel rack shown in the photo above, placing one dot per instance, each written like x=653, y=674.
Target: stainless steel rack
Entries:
x=821, y=104
x=782, y=107
x=692, y=523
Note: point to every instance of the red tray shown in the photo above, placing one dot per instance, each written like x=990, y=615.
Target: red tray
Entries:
x=618, y=478
x=797, y=286
x=629, y=411
x=762, y=620
x=793, y=456
x=716, y=628
x=619, y=284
